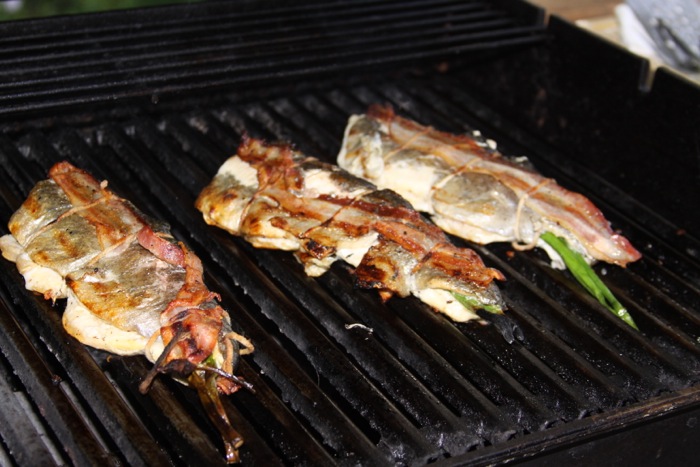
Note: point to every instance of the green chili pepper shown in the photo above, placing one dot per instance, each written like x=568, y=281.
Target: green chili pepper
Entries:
x=587, y=277
x=472, y=304
x=209, y=361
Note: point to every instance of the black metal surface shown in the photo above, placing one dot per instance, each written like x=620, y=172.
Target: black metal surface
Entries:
x=411, y=387
x=143, y=55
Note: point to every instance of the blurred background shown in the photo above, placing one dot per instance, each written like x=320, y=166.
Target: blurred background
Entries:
x=21, y=9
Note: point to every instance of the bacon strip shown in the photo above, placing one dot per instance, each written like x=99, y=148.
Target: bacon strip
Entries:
x=195, y=314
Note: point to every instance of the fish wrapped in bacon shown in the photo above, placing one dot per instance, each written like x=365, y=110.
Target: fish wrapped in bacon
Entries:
x=474, y=192
x=275, y=197
x=130, y=288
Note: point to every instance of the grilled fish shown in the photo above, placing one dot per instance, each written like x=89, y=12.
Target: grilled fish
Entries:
x=473, y=192
x=276, y=197
x=130, y=288
x=482, y=196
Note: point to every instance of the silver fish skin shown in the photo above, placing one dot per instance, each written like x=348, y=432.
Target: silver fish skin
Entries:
x=474, y=192
x=103, y=265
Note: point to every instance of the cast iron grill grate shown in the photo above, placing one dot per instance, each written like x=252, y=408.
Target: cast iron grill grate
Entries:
x=188, y=48
x=415, y=389
x=418, y=388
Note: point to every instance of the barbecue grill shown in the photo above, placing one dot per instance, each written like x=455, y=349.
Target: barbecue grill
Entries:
x=155, y=100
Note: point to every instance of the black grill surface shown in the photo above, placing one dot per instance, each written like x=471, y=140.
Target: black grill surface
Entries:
x=153, y=102
x=147, y=53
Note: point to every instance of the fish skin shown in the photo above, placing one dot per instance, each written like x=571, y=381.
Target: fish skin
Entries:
x=74, y=226
x=128, y=288
x=125, y=271
x=475, y=193
x=45, y=204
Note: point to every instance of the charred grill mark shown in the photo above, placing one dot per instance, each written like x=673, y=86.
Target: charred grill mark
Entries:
x=34, y=206
x=369, y=276
x=64, y=238
x=349, y=228
x=381, y=209
x=318, y=250
x=296, y=206
x=230, y=195
x=335, y=199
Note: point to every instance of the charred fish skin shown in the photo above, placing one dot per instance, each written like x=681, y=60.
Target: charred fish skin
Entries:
x=131, y=288
x=324, y=214
x=472, y=192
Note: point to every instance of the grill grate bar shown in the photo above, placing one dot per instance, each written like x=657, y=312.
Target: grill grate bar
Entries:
x=248, y=58
x=38, y=380
x=416, y=389
x=218, y=38
x=143, y=62
x=282, y=21
x=186, y=80
x=362, y=396
x=483, y=390
x=24, y=434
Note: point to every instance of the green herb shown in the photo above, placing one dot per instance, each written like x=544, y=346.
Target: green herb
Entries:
x=472, y=304
x=587, y=277
x=209, y=361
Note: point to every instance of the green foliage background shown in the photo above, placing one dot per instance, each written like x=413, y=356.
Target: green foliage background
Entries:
x=39, y=8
